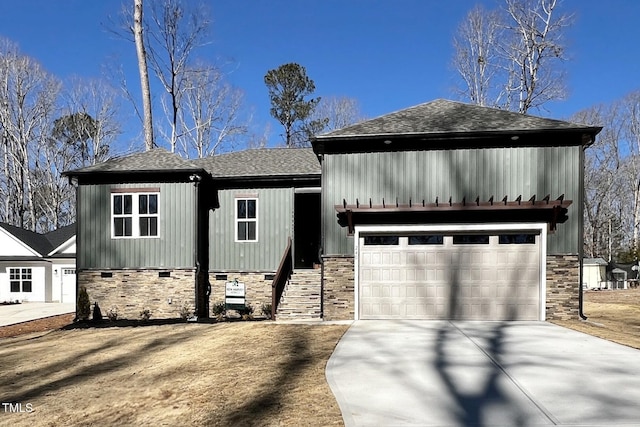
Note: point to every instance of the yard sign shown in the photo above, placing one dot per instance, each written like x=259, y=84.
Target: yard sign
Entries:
x=234, y=295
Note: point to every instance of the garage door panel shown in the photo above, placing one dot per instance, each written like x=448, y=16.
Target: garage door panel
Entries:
x=492, y=281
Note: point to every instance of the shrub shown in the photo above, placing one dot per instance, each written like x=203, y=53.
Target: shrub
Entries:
x=185, y=312
x=246, y=312
x=218, y=308
x=84, y=306
x=145, y=314
x=266, y=310
x=112, y=313
x=97, y=313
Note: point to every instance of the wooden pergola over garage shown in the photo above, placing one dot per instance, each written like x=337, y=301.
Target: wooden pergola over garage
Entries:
x=553, y=212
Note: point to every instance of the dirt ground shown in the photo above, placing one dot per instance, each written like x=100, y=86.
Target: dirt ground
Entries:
x=235, y=373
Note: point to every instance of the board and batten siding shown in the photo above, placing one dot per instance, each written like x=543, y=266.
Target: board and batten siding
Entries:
x=174, y=248
x=468, y=173
x=275, y=225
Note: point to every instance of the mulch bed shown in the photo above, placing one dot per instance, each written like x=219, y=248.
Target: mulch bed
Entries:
x=40, y=325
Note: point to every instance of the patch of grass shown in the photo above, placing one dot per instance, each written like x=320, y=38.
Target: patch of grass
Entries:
x=237, y=373
x=611, y=314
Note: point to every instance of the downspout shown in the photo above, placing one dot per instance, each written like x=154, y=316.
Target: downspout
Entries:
x=79, y=246
x=321, y=249
x=581, y=236
x=196, y=250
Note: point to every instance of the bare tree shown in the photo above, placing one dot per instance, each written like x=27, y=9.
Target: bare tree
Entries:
x=336, y=112
x=476, y=57
x=28, y=96
x=513, y=59
x=96, y=104
x=631, y=145
x=144, y=73
x=210, y=113
x=536, y=51
x=603, y=206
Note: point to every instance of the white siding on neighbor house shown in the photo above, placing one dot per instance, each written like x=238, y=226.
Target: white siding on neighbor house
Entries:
x=68, y=248
x=38, y=278
x=10, y=246
x=63, y=280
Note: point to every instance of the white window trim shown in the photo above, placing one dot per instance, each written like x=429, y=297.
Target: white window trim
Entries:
x=135, y=215
x=238, y=220
x=20, y=279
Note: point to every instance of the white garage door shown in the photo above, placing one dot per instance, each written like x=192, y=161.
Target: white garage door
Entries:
x=450, y=276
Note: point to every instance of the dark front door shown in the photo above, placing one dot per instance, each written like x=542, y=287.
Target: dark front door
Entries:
x=306, y=230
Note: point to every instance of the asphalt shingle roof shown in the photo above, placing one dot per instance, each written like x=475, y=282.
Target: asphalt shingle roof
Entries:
x=262, y=162
x=449, y=117
x=41, y=243
x=61, y=235
x=156, y=160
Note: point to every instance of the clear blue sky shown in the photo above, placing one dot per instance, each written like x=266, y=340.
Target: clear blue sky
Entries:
x=387, y=54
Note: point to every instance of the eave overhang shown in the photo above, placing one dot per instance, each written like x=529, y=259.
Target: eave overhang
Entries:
x=409, y=141
x=552, y=212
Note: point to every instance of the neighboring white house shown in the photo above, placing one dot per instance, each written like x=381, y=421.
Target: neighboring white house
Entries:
x=594, y=273
x=37, y=267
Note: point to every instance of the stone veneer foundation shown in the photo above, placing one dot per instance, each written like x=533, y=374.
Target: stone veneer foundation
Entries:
x=257, y=287
x=563, y=287
x=133, y=290
x=338, y=287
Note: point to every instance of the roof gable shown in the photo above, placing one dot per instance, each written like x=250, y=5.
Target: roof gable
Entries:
x=20, y=242
x=61, y=239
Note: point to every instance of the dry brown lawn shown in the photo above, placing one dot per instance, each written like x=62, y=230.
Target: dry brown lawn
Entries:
x=225, y=374
x=612, y=315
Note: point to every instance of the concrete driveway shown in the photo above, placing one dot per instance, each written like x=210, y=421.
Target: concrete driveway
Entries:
x=441, y=373
x=17, y=313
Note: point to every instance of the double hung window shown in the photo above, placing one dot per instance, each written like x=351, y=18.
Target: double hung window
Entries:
x=247, y=220
x=134, y=215
x=20, y=279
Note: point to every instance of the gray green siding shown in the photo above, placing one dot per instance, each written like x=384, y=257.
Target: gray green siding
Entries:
x=174, y=248
x=275, y=224
x=468, y=173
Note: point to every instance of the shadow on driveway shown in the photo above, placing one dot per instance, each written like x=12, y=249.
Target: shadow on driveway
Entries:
x=457, y=373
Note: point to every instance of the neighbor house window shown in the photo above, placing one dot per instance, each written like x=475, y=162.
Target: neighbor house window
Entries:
x=134, y=215
x=20, y=279
x=247, y=220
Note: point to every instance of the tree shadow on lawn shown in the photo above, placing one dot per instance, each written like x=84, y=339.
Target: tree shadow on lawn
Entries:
x=269, y=397
x=34, y=386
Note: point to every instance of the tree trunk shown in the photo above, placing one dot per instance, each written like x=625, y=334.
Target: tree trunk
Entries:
x=144, y=74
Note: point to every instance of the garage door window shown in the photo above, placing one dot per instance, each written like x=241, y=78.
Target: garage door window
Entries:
x=471, y=239
x=426, y=239
x=517, y=239
x=381, y=240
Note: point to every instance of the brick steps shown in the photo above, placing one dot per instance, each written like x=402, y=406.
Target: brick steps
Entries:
x=301, y=299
